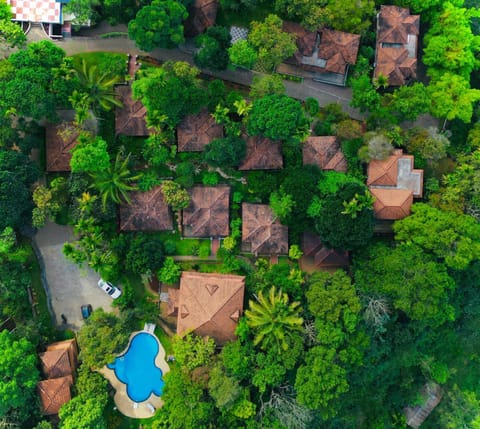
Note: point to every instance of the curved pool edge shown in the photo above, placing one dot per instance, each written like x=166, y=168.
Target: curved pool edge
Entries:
x=124, y=404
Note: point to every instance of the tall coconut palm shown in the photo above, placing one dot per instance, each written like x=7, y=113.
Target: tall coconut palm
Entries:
x=98, y=87
x=115, y=182
x=273, y=320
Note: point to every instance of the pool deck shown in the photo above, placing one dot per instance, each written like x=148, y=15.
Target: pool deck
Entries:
x=124, y=404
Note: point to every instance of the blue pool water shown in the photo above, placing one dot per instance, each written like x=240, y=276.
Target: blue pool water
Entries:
x=137, y=369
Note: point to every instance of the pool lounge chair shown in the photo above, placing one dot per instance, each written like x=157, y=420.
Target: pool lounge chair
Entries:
x=151, y=407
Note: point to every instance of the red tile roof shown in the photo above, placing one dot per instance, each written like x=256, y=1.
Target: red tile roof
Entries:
x=60, y=139
x=262, y=154
x=208, y=212
x=210, y=304
x=54, y=393
x=148, y=211
x=325, y=152
x=338, y=49
x=392, y=204
x=261, y=233
x=396, y=49
x=384, y=172
x=130, y=119
x=196, y=131
x=394, y=183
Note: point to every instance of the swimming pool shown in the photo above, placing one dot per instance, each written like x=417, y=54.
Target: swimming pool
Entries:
x=137, y=370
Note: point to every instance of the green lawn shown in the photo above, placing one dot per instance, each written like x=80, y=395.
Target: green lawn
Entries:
x=242, y=18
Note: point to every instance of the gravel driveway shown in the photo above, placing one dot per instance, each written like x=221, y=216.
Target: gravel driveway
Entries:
x=70, y=286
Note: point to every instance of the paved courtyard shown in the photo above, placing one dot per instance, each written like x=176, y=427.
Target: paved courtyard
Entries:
x=70, y=286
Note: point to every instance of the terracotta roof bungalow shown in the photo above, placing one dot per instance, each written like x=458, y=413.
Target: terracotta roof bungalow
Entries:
x=397, y=41
x=201, y=15
x=147, y=211
x=325, y=152
x=54, y=393
x=394, y=183
x=261, y=232
x=196, y=131
x=327, y=53
x=60, y=359
x=208, y=212
x=262, y=154
x=130, y=119
x=317, y=255
x=208, y=304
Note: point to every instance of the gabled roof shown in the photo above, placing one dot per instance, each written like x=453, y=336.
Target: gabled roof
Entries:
x=392, y=204
x=54, y=393
x=130, y=119
x=201, y=15
x=325, y=152
x=196, y=131
x=60, y=139
x=396, y=48
x=262, y=154
x=147, y=211
x=321, y=255
x=338, y=49
x=210, y=304
x=208, y=212
x=261, y=233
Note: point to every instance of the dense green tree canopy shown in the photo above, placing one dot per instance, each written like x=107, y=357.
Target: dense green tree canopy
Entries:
x=17, y=174
x=213, y=44
x=278, y=117
x=38, y=83
x=101, y=338
x=342, y=212
x=18, y=376
x=415, y=283
x=158, y=25
x=90, y=155
x=145, y=254
x=272, y=44
x=169, y=93
x=225, y=152
x=453, y=238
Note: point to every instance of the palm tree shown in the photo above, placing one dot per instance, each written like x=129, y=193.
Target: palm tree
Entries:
x=273, y=319
x=98, y=87
x=115, y=182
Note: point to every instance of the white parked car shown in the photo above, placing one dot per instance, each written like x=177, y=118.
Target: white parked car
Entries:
x=109, y=288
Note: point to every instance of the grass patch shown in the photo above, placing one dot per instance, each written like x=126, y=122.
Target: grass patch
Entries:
x=193, y=247
x=165, y=340
x=243, y=17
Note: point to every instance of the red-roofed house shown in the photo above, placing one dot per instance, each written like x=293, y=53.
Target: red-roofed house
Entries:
x=394, y=183
x=327, y=53
x=397, y=41
x=261, y=232
x=262, y=154
x=208, y=212
x=196, y=131
x=325, y=152
x=208, y=304
x=147, y=211
x=54, y=393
